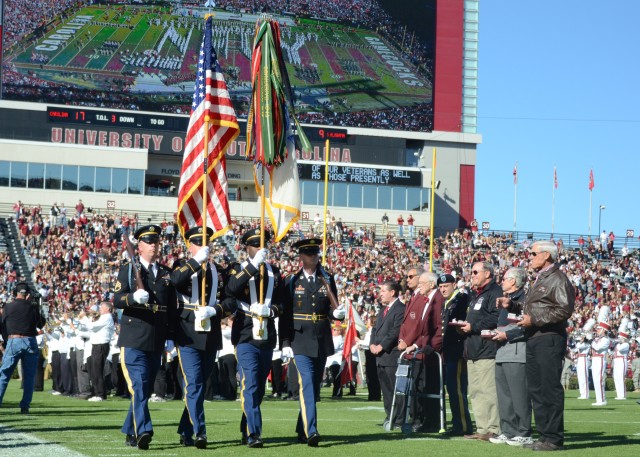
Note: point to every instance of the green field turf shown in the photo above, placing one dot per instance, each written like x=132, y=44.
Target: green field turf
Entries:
x=348, y=427
x=379, y=87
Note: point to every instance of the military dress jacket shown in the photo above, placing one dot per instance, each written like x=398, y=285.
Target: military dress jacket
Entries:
x=306, y=323
x=146, y=327
x=183, y=279
x=238, y=299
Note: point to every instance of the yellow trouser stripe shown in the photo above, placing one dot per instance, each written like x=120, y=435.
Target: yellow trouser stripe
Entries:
x=303, y=410
x=242, y=391
x=127, y=378
x=463, y=417
x=186, y=383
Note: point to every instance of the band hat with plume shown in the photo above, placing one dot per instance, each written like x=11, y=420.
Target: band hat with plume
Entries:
x=603, y=318
x=623, y=330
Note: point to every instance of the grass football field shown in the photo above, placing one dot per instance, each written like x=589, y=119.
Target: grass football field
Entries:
x=61, y=426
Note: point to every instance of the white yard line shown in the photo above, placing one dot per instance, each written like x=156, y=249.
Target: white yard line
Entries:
x=14, y=443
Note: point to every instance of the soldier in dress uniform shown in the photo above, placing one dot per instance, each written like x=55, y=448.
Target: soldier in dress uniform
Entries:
x=306, y=331
x=253, y=332
x=198, y=336
x=455, y=307
x=148, y=317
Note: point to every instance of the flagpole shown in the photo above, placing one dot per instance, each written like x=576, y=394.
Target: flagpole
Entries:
x=205, y=176
x=262, y=211
x=590, y=209
x=433, y=209
x=326, y=195
x=515, y=196
x=553, y=202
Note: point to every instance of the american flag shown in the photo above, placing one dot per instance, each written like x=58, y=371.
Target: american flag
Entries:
x=210, y=99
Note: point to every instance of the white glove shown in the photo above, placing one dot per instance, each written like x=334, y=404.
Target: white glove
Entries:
x=141, y=296
x=205, y=312
x=202, y=254
x=260, y=310
x=259, y=258
x=170, y=346
x=287, y=353
x=339, y=313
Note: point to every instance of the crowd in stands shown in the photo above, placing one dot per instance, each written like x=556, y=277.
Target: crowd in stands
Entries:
x=22, y=17
x=411, y=118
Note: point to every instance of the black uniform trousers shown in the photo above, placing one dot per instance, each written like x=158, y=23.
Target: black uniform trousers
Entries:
x=99, y=353
x=544, y=367
x=371, y=371
x=387, y=378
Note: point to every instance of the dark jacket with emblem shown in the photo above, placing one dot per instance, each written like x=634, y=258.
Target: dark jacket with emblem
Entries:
x=237, y=288
x=550, y=302
x=452, y=340
x=140, y=327
x=297, y=328
x=482, y=315
x=185, y=332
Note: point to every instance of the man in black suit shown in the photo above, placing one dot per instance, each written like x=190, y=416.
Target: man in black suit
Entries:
x=384, y=346
x=147, y=321
x=198, y=333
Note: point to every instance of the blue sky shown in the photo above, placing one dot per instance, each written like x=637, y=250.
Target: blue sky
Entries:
x=559, y=85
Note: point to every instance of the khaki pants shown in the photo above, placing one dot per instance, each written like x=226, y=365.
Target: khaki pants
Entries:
x=482, y=392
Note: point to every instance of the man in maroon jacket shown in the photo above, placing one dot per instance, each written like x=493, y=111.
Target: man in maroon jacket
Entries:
x=426, y=416
x=410, y=330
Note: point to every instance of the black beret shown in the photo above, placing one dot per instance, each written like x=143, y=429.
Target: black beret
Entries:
x=194, y=235
x=148, y=233
x=446, y=279
x=22, y=288
x=308, y=245
x=252, y=237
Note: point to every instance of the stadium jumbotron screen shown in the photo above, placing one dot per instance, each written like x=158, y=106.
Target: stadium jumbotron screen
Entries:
x=366, y=63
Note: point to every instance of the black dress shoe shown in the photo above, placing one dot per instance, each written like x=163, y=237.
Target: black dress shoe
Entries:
x=24, y=410
x=130, y=440
x=144, y=440
x=243, y=440
x=201, y=441
x=313, y=439
x=546, y=446
x=254, y=441
x=186, y=441
x=302, y=439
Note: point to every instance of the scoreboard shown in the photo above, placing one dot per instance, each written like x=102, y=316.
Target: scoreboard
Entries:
x=164, y=134
x=87, y=116
x=169, y=123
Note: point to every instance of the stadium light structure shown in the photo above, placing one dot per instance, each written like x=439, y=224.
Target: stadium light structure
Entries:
x=600, y=217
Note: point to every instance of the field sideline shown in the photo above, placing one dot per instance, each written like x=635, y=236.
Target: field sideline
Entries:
x=73, y=427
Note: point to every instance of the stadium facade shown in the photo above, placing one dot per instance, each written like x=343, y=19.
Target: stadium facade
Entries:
x=130, y=161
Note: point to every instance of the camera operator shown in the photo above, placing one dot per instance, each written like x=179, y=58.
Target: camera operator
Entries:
x=21, y=317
